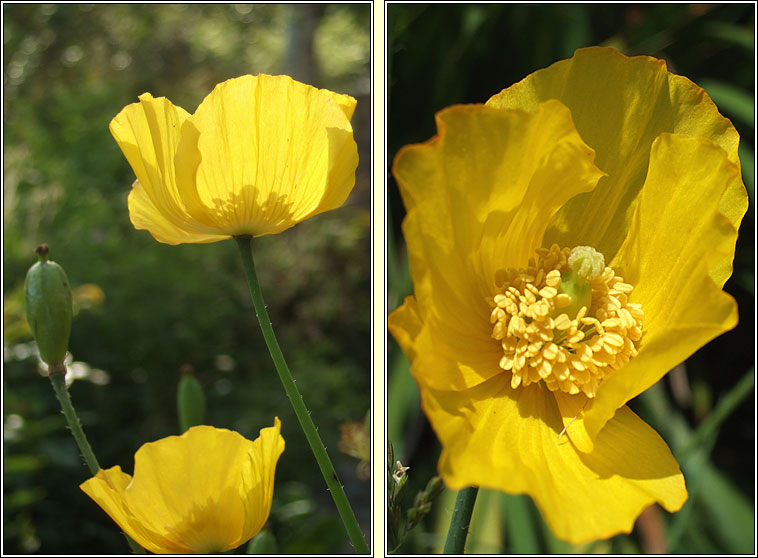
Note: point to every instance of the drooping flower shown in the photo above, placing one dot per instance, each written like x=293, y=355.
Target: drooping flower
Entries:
x=259, y=155
x=568, y=243
x=206, y=491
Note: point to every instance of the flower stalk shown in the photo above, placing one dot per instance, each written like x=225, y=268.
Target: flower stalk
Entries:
x=58, y=379
x=459, y=523
x=303, y=415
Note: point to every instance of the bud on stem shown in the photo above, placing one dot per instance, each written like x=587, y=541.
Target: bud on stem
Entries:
x=49, y=309
x=190, y=401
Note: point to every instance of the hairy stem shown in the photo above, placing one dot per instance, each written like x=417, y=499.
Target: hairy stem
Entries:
x=303, y=415
x=58, y=379
x=459, y=523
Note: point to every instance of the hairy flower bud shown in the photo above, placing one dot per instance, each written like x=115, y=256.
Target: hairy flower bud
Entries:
x=49, y=309
x=190, y=402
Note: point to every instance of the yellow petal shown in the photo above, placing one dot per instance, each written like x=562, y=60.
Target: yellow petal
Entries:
x=108, y=489
x=499, y=438
x=144, y=215
x=206, y=491
x=405, y=324
x=432, y=350
x=257, y=489
x=678, y=253
x=571, y=408
x=262, y=153
x=619, y=106
x=148, y=134
x=479, y=196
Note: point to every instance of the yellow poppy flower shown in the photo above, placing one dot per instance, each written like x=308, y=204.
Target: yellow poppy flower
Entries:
x=568, y=243
x=260, y=154
x=206, y=491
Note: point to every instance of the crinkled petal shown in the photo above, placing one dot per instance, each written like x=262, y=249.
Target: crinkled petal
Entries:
x=479, y=196
x=257, y=489
x=619, y=106
x=145, y=216
x=108, y=489
x=148, y=134
x=262, y=153
x=187, y=485
x=193, y=493
x=405, y=324
x=678, y=253
x=503, y=439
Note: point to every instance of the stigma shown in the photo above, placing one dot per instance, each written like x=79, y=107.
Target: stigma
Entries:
x=565, y=320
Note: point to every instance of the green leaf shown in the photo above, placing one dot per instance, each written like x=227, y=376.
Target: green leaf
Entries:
x=730, y=99
x=485, y=534
x=729, y=512
x=520, y=528
x=262, y=543
x=402, y=401
x=731, y=33
x=708, y=429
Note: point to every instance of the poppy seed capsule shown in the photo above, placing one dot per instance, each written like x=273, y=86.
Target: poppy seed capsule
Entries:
x=49, y=310
x=190, y=402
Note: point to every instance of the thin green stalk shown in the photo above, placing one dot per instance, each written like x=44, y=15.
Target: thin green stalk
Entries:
x=303, y=415
x=58, y=379
x=459, y=523
x=59, y=385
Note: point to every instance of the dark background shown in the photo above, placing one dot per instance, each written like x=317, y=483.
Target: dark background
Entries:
x=146, y=310
x=441, y=55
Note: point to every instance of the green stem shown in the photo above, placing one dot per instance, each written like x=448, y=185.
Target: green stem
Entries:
x=303, y=415
x=459, y=523
x=58, y=379
x=59, y=385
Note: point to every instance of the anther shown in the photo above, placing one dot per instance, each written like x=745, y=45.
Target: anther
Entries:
x=565, y=320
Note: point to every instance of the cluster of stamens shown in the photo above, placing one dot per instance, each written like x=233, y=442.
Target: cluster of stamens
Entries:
x=542, y=340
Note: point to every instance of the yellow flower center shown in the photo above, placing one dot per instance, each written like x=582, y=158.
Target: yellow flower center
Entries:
x=565, y=319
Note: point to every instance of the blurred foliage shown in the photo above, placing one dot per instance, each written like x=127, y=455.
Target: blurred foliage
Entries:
x=146, y=310
x=439, y=55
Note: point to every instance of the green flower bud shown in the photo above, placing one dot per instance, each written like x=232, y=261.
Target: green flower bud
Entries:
x=414, y=516
x=190, y=401
x=434, y=487
x=49, y=309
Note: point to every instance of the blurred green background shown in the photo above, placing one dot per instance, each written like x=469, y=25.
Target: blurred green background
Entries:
x=441, y=55
x=146, y=310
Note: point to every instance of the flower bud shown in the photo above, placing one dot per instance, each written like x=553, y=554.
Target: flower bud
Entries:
x=49, y=309
x=190, y=401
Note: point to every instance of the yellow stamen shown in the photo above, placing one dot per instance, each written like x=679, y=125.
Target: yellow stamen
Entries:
x=540, y=342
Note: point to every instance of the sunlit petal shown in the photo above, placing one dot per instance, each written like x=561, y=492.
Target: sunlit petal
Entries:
x=206, y=491
x=262, y=153
x=479, y=196
x=619, y=112
x=499, y=438
x=148, y=134
x=545, y=299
